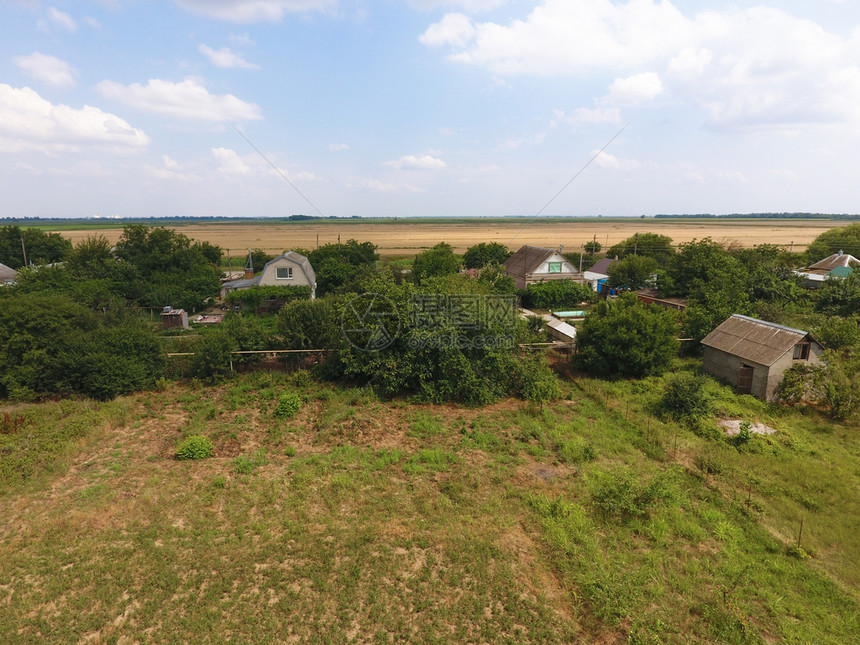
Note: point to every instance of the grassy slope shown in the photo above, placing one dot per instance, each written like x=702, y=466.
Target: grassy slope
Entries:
x=389, y=522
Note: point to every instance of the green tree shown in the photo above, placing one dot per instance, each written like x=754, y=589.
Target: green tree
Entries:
x=839, y=334
x=696, y=265
x=41, y=247
x=632, y=272
x=840, y=296
x=652, y=245
x=627, y=338
x=593, y=247
x=171, y=269
x=485, y=253
x=50, y=345
x=439, y=260
x=842, y=238
x=340, y=267
x=311, y=324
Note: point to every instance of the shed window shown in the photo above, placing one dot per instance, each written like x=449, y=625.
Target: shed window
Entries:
x=284, y=273
x=555, y=267
x=801, y=352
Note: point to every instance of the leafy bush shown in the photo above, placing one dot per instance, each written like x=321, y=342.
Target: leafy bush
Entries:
x=288, y=404
x=575, y=450
x=194, y=447
x=684, y=397
x=557, y=294
x=618, y=492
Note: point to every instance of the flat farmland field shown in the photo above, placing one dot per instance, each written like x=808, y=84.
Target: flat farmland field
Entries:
x=404, y=237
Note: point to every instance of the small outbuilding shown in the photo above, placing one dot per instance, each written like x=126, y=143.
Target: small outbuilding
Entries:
x=171, y=318
x=752, y=355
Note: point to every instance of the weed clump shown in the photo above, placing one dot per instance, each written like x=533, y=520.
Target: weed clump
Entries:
x=194, y=447
x=288, y=404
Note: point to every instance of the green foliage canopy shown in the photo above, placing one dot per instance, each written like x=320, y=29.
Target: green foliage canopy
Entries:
x=627, y=338
x=485, y=253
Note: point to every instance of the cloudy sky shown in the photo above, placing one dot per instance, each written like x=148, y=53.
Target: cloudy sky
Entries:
x=428, y=107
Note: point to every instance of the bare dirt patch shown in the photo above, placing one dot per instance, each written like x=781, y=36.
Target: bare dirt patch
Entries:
x=732, y=427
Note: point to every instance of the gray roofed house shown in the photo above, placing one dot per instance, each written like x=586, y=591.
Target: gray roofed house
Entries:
x=532, y=264
x=290, y=269
x=752, y=355
x=837, y=265
x=7, y=275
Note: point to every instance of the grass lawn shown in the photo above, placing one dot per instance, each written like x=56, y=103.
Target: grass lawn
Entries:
x=357, y=520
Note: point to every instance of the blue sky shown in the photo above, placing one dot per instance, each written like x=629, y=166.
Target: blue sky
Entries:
x=428, y=107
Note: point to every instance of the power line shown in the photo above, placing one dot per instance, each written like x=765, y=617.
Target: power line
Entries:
x=278, y=170
x=578, y=173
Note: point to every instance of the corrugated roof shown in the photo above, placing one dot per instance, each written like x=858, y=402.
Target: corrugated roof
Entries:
x=7, y=274
x=755, y=340
x=602, y=266
x=836, y=260
x=527, y=259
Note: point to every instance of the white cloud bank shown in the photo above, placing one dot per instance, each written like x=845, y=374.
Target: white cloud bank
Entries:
x=751, y=68
x=250, y=11
x=188, y=99
x=29, y=122
x=49, y=70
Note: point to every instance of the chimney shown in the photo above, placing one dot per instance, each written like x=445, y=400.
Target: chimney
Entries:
x=249, y=273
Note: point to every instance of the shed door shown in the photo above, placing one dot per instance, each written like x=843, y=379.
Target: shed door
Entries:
x=745, y=378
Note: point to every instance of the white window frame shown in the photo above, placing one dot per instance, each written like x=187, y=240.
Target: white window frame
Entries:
x=289, y=271
x=558, y=267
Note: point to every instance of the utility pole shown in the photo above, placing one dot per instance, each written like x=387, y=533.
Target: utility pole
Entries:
x=580, y=258
x=24, y=250
x=636, y=244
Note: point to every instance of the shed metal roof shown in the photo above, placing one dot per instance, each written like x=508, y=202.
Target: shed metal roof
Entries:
x=754, y=340
x=7, y=274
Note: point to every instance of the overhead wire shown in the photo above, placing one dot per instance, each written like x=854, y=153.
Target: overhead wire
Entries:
x=278, y=170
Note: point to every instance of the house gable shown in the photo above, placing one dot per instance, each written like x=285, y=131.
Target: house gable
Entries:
x=532, y=264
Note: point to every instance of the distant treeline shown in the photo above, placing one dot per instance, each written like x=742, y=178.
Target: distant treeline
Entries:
x=763, y=216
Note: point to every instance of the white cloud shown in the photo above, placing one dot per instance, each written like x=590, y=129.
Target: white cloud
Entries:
x=416, y=162
x=61, y=19
x=225, y=58
x=170, y=169
x=338, y=147
x=229, y=162
x=382, y=187
x=472, y=6
x=744, y=68
x=48, y=69
x=188, y=99
x=249, y=11
x=27, y=122
x=568, y=36
x=585, y=116
x=638, y=88
x=606, y=160
x=454, y=29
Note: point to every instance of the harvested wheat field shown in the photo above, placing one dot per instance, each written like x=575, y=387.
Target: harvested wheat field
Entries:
x=404, y=237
